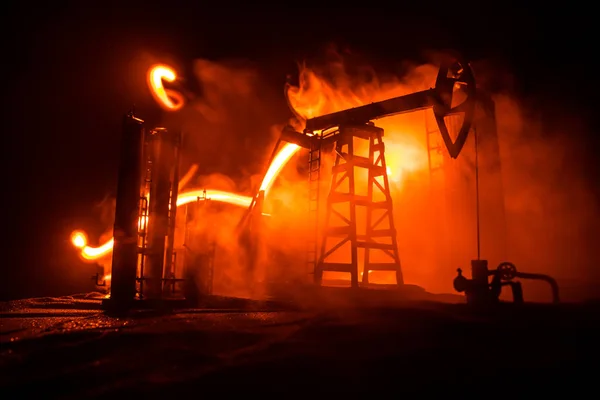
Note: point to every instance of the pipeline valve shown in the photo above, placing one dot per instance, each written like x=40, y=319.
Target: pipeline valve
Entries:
x=479, y=289
x=506, y=271
x=460, y=282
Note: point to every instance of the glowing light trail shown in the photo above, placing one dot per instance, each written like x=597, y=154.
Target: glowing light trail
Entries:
x=168, y=99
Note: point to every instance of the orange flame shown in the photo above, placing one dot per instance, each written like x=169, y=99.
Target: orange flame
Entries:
x=317, y=95
x=168, y=99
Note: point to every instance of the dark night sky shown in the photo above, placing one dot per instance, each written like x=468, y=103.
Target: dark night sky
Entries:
x=74, y=70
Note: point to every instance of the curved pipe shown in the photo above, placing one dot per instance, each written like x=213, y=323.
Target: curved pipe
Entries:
x=541, y=277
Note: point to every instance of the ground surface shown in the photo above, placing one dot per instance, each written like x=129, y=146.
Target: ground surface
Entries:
x=56, y=348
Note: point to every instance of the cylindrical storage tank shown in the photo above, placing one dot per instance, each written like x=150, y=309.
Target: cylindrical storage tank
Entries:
x=125, y=231
x=164, y=157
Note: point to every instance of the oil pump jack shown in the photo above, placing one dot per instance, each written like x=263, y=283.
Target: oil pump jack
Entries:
x=339, y=130
x=455, y=93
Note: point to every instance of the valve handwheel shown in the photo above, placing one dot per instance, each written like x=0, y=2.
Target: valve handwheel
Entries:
x=454, y=75
x=507, y=271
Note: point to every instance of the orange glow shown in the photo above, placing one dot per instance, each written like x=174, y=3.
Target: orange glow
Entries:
x=280, y=160
x=316, y=96
x=187, y=177
x=168, y=99
x=94, y=253
x=214, y=195
x=79, y=239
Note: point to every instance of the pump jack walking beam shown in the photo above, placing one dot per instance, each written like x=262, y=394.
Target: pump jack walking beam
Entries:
x=454, y=76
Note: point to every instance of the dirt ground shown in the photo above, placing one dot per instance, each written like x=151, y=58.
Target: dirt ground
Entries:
x=53, y=348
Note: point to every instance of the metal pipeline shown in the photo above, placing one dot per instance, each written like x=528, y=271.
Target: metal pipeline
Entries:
x=541, y=277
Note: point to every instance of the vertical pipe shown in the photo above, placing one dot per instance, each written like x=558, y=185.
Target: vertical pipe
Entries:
x=125, y=252
x=158, y=221
x=169, y=268
x=350, y=170
x=479, y=276
x=492, y=208
x=254, y=237
x=477, y=194
x=190, y=270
